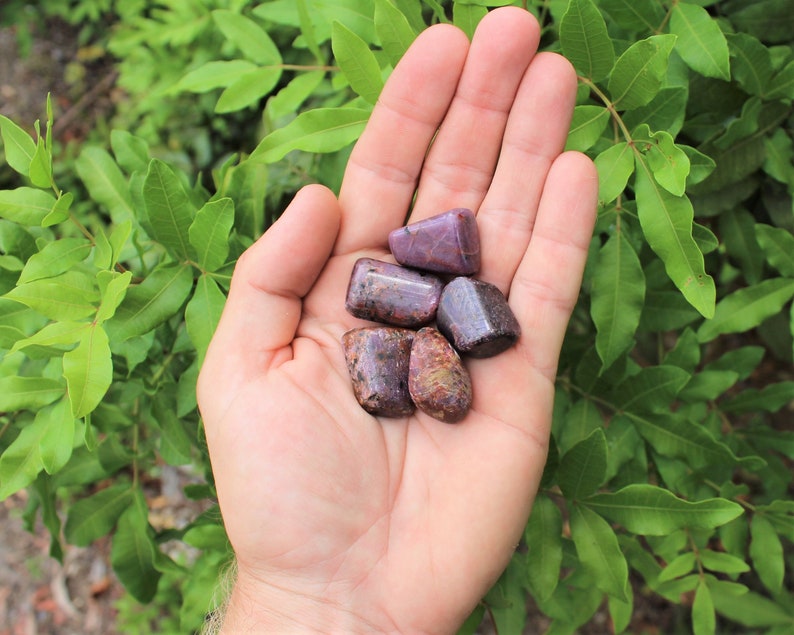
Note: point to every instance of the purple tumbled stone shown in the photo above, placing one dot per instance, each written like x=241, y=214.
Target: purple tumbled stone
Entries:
x=437, y=379
x=445, y=243
x=475, y=317
x=378, y=359
x=385, y=292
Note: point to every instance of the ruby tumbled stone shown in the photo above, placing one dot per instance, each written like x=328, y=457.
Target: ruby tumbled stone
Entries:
x=378, y=359
x=475, y=317
x=385, y=292
x=445, y=243
x=438, y=381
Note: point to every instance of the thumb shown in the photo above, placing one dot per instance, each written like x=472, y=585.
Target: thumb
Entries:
x=269, y=282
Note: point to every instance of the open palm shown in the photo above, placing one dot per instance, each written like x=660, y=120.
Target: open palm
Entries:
x=343, y=522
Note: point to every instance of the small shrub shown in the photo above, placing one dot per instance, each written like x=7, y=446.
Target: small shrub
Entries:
x=670, y=467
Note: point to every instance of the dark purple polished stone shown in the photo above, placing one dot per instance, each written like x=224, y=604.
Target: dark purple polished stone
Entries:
x=378, y=361
x=384, y=292
x=437, y=379
x=445, y=243
x=475, y=317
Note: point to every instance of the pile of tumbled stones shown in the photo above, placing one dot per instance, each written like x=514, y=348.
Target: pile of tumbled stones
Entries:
x=396, y=368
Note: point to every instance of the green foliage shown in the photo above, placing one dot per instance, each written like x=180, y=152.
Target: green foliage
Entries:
x=670, y=462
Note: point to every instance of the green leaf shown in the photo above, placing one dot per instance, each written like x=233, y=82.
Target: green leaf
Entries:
x=587, y=125
x=704, y=621
x=112, y=296
x=28, y=393
x=579, y=423
x=319, y=130
x=701, y=43
x=770, y=398
x=778, y=246
x=766, y=553
x=25, y=205
x=583, y=468
x=543, y=537
x=666, y=221
x=203, y=313
x=672, y=435
x=41, y=165
x=668, y=162
x=132, y=552
x=215, y=74
x=746, y=308
x=782, y=83
x=55, y=258
x=357, y=62
x=768, y=20
x=617, y=298
x=55, y=336
x=666, y=111
x=779, y=156
x=680, y=565
x=67, y=297
x=467, y=16
x=60, y=210
x=393, y=29
x=131, y=152
x=57, y=440
x=634, y=15
x=20, y=462
x=308, y=30
x=648, y=510
x=737, y=229
x=209, y=233
x=92, y=517
x=599, y=551
x=175, y=442
x=640, y=72
x=248, y=89
x=615, y=165
x=289, y=99
x=584, y=40
x=19, y=146
x=168, y=208
x=750, y=609
x=255, y=43
x=743, y=126
x=722, y=562
x=751, y=63
x=652, y=389
x=88, y=371
x=105, y=182
x=149, y=304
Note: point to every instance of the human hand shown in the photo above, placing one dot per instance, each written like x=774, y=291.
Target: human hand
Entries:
x=342, y=522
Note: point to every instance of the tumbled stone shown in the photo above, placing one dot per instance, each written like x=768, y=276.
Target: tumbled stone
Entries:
x=378, y=359
x=438, y=381
x=385, y=292
x=445, y=243
x=476, y=318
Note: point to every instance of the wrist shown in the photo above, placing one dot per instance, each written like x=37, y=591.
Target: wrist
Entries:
x=258, y=606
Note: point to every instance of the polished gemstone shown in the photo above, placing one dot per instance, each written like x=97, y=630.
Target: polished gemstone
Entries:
x=476, y=318
x=392, y=294
x=438, y=381
x=378, y=359
x=445, y=243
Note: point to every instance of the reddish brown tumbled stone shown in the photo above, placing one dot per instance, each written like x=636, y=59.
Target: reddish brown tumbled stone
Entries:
x=378, y=359
x=392, y=294
x=437, y=379
x=476, y=318
x=445, y=243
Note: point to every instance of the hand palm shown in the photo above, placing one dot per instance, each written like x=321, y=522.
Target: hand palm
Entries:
x=400, y=523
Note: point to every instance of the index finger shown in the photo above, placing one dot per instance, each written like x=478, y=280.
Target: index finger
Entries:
x=384, y=167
